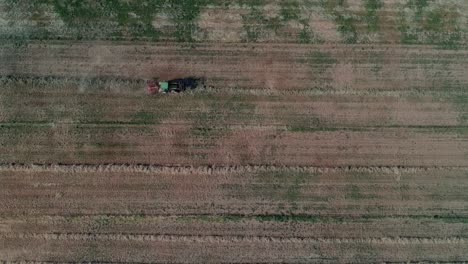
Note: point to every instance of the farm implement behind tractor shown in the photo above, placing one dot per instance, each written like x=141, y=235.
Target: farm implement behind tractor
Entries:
x=173, y=86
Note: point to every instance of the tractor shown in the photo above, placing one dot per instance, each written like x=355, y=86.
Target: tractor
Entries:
x=172, y=86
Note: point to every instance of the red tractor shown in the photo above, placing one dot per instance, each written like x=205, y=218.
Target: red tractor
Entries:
x=172, y=86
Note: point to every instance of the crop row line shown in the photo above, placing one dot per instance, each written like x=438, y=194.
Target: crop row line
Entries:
x=230, y=238
x=212, y=169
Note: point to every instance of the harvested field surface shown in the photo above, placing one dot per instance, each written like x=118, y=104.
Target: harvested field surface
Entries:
x=328, y=131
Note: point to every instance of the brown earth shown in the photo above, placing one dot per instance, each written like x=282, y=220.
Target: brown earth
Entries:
x=295, y=153
x=279, y=67
x=225, y=214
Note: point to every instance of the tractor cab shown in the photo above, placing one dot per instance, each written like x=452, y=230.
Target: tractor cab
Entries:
x=164, y=87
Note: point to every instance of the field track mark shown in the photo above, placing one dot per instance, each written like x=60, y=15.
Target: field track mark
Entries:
x=330, y=218
x=132, y=262
x=221, y=64
x=229, y=125
x=209, y=169
x=102, y=262
x=61, y=262
x=230, y=239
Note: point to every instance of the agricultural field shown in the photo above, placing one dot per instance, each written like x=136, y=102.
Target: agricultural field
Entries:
x=329, y=131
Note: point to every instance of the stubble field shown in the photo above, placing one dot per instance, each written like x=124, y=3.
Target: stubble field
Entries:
x=329, y=131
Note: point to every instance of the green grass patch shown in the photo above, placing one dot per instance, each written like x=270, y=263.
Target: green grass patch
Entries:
x=102, y=221
x=371, y=17
x=458, y=130
x=303, y=123
x=294, y=190
x=257, y=25
x=207, y=132
x=353, y=192
x=452, y=220
x=282, y=185
x=289, y=10
x=261, y=218
x=460, y=103
x=288, y=218
x=361, y=175
x=145, y=117
x=252, y=3
x=134, y=19
x=344, y=18
x=211, y=218
x=184, y=14
x=346, y=26
x=217, y=113
x=319, y=61
x=21, y=122
x=116, y=19
x=305, y=36
x=419, y=6
x=254, y=25
x=429, y=22
x=304, y=128
x=303, y=218
x=322, y=58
